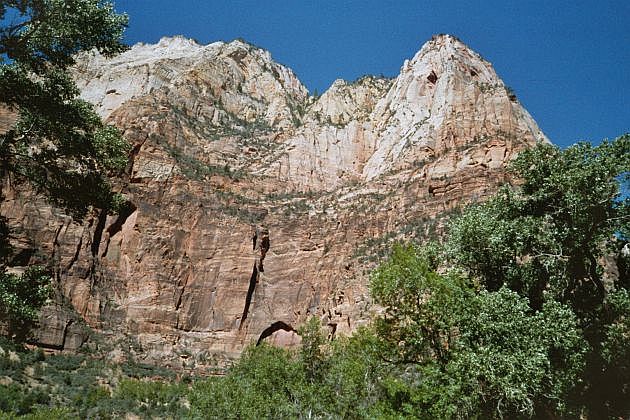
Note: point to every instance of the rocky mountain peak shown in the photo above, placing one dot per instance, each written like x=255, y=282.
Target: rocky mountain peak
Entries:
x=446, y=97
x=446, y=105
x=239, y=78
x=446, y=57
x=171, y=44
x=345, y=101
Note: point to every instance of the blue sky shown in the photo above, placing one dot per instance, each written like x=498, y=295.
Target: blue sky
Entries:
x=567, y=61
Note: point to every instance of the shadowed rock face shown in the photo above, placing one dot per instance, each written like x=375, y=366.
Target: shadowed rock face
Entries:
x=230, y=149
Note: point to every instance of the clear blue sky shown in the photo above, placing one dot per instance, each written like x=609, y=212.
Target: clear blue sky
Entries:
x=568, y=61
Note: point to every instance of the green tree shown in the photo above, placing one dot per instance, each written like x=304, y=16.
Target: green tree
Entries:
x=358, y=380
x=58, y=143
x=562, y=236
x=312, y=355
x=552, y=233
x=466, y=353
x=348, y=380
x=23, y=295
x=265, y=383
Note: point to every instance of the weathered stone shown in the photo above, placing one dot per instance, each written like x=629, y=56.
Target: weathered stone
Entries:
x=255, y=206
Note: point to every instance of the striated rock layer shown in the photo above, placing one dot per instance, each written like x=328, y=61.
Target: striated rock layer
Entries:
x=252, y=205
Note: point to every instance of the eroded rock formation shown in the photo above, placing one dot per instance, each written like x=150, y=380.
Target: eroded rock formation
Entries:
x=227, y=143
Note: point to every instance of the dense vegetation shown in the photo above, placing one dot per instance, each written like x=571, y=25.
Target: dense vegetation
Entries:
x=523, y=311
x=59, y=145
x=83, y=385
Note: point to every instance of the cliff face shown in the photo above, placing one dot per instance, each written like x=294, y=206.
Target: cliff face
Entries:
x=252, y=205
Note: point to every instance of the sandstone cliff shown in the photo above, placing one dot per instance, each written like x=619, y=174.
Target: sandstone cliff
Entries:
x=252, y=205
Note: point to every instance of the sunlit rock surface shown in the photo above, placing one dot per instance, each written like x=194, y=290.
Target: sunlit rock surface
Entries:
x=254, y=206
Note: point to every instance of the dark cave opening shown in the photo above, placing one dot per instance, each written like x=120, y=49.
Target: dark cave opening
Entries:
x=276, y=326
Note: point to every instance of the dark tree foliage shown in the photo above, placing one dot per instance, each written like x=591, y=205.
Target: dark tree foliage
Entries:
x=312, y=357
x=552, y=233
x=563, y=236
x=462, y=353
x=58, y=144
x=21, y=297
x=44, y=33
x=270, y=383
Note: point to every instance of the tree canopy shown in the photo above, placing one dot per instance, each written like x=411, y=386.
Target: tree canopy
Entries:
x=561, y=237
x=469, y=352
x=59, y=144
x=551, y=233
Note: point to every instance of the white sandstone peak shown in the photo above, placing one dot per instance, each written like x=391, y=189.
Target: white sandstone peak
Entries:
x=446, y=96
x=447, y=110
x=231, y=72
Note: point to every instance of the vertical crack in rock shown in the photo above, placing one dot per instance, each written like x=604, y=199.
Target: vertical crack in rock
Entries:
x=261, y=237
x=333, y=330
x=250, y=293
x=54, y=256
x=96, y=243
x=98, y=232
x=276, y=326
x=178, y=304
x=179, y=300
x=260, y=240
x=126, y=210
x=56, y=242
x=65, y=334
x=75, y=257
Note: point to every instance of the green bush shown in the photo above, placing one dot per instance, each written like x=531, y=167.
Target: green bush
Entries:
x=17, y=399
x=265, y=383
x=462, y=353
x=21, y=296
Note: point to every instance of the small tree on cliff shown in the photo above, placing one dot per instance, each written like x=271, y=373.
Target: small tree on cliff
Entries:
x=58, y=143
